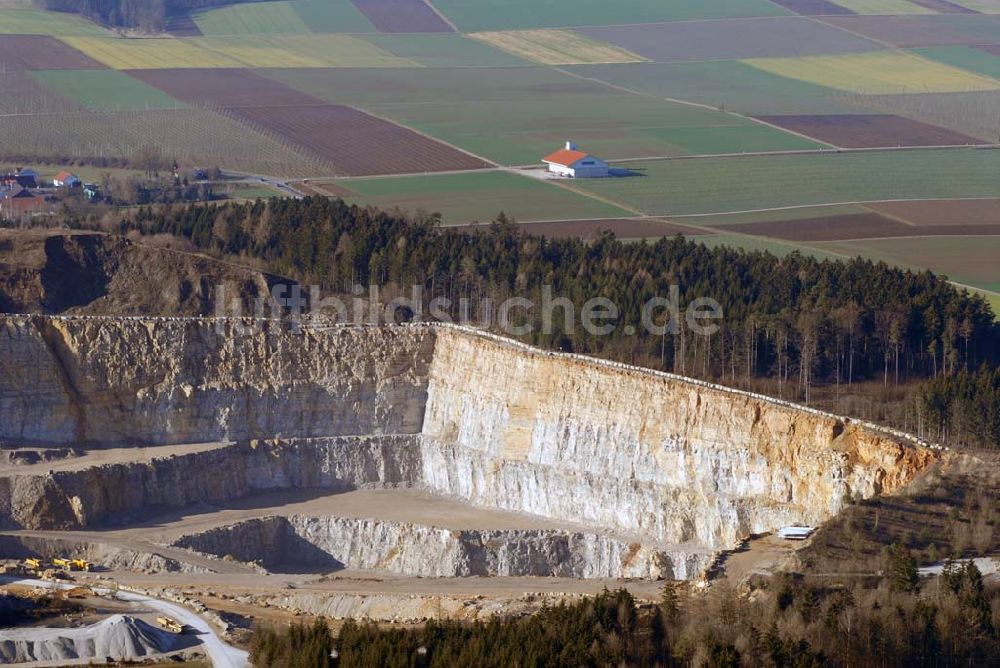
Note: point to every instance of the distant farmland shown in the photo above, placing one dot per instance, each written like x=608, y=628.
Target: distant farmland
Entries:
x=709, y=185
x=464, y=198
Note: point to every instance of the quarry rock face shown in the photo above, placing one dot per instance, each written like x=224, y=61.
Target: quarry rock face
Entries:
x=660, y=470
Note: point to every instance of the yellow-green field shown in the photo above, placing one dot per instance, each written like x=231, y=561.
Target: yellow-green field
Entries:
x=878, y=73
x=158, y=53
x=277, y=51
x=271, y=51
x=883, y=7
x=32, y=22
x=557, y=47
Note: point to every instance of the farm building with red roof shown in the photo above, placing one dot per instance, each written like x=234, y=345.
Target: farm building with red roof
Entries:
x=574, y=163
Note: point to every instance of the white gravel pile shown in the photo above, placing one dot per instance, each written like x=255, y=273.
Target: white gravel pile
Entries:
x=119, y=637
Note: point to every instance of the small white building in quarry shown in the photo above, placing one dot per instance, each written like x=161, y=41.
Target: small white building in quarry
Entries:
x=574, y=163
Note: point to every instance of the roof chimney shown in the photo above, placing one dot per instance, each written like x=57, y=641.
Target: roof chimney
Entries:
x=570, y=146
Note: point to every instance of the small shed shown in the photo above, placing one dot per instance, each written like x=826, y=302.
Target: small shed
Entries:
x=576, y=164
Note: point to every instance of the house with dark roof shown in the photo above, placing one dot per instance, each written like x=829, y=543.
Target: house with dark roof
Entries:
x=23, y=178
x=574, y=163
x=20, y=203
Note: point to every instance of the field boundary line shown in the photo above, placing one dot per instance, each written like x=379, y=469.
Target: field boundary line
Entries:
x=888, y=45
x=441, y=15
x=699, y=105
x=426, y=136
x=594, y=196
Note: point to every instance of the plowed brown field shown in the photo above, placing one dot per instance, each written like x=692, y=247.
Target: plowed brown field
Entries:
x=402, y=16
x=870, y=130
x=38, y=52
x=356, y=143
x=353, y=142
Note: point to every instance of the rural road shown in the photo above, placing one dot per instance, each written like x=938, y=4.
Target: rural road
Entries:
x=221, y=654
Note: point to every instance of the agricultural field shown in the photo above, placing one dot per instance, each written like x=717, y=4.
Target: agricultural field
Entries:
x=355, y=143
x=870, y=131
x=402, y=16
x=347, y=140
x=881, y=7
x=105, y=90
x=137, y=54
x=251, y=19
x=813, y=7
x=732, y=39
x=465, y=198
x=557, y=47
x=41, y=52
x=726, y=84
x=192, y=136
x=936, y=30
x=719, y=185
x=445, y=50
x=973, y=114
x=499, y=114
x=622, y=228
x=23, y=95
x=35, y=22
x=974, y=59
x=477, y=15
x=877, y=73
x=263, y=51
x=964, y=259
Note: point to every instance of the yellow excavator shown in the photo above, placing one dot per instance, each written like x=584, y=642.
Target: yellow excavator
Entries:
x=170, y=624
x=32, y=563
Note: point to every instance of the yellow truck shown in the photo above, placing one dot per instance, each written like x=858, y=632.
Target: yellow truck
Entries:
x=170, y=624
x=72, y=564
x=33, y=563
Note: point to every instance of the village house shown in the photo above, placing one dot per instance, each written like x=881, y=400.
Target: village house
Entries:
x=66, y=179
x=20, y=203
x=574, y=163
x=19, y=178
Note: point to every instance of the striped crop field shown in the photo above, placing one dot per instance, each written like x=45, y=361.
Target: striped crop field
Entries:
x=877, y=73
x=557, y=47
x=153, y=53
x=306, y=51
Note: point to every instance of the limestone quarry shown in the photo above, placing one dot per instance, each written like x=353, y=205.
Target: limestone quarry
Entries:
x=224, y=449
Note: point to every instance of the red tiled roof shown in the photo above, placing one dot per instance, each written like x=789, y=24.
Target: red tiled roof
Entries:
x=565, y=157
x=62, y=176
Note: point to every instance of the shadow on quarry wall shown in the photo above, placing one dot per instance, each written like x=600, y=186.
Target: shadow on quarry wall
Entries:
x=269, y=541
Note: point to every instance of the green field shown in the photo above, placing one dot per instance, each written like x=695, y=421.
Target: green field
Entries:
x=105, y=90
x=717, y=185
x=770, y=215
x=283, y=17
x=966, y=57
x=473, y=15
x=515, y=116
x=730, y=84
x=32, y=22
x=324, y=16
x=445, y=50
x=884, y=7
x=466, y=198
